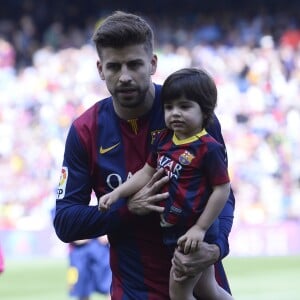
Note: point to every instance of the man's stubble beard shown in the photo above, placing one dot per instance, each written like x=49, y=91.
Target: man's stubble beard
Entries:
x=138, y=101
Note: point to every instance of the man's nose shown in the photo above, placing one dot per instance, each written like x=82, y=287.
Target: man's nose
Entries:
x=125, y=75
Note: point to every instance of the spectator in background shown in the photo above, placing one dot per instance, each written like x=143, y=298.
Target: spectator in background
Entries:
x=89, y=270
x=2, y=265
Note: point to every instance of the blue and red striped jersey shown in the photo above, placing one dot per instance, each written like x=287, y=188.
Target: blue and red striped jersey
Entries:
x=193, y=165
x=101, y=152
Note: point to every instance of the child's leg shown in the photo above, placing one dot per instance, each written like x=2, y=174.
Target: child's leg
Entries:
x=182, y=290
x=207, y=287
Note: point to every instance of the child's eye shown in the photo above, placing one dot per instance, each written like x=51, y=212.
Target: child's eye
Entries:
x=167, y=107
x=185, y=106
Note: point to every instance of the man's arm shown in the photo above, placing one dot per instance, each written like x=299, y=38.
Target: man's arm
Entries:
x=74, y=219
x=226, y=216
x=225, y=225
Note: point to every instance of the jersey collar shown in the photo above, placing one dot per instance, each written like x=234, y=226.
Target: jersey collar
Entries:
x=191, y=139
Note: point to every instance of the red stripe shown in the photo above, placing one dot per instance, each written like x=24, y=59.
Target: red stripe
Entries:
x=221, y=276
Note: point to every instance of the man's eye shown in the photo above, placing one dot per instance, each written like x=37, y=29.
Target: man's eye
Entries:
x=113, y=67
x=134, y=65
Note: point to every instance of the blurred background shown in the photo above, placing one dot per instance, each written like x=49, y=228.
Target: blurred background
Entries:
x=48, y=77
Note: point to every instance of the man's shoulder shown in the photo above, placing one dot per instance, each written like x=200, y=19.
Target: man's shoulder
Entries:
x=90, y=115
x=210, y=142
x=214, y=124
x=87, y=125
x=214, y=129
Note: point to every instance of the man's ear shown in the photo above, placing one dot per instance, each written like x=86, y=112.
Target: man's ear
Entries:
x=153, y=64
x=99, y=67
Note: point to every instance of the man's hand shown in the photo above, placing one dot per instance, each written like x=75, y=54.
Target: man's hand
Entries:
x=144, y=201
x=187, y=265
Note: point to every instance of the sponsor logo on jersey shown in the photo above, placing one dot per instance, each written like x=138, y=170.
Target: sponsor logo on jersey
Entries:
x=62, y=183
x=113, y=180
x=105, y=150
x=175, y=210
x=171, y=167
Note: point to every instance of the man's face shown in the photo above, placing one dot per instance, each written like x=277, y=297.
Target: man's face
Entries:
x=127, y=72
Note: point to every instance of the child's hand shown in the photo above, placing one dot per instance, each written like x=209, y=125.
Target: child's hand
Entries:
x=190, y=240
x=105, y=202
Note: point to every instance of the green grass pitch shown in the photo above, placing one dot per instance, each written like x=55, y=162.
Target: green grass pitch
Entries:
x=264, y=278
x=259, y=278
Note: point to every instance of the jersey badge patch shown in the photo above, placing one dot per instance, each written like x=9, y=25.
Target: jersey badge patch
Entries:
x=62, y=183
x=186, y=158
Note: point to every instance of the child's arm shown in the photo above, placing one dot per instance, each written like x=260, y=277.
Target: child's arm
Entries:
x=189, y=241
x=128, y=188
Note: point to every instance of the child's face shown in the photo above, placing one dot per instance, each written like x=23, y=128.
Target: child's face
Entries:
x=184, y=117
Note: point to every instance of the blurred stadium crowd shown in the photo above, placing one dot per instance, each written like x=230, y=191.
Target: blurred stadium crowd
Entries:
x=48, y=77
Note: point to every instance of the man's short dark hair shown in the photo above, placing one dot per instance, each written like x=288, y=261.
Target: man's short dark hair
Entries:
x=123, y=29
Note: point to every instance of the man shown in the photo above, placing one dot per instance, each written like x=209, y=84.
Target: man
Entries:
x=106, y=145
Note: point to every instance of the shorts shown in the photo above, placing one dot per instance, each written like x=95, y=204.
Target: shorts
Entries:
x=173, y=233
x=89, y=269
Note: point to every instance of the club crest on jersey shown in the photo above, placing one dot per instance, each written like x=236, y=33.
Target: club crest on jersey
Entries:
x=62, y=183
x=186, y=158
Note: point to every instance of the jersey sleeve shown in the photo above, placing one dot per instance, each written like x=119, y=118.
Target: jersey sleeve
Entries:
x=74, y=219
x=216, y=164
x=227, y=214
x=225, y=225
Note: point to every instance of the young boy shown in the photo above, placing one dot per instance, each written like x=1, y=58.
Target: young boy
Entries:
x=198, y=179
